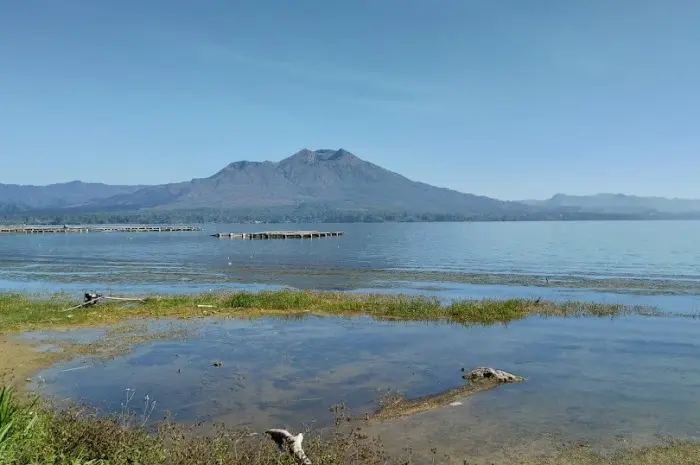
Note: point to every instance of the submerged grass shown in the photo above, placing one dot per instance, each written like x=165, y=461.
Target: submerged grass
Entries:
x=394, y=405
x=33, y=434
x=22, y=311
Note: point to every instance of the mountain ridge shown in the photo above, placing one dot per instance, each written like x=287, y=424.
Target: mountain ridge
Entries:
x=619, y=203
x=59, y=195
x=335, y=178
x=321, y=180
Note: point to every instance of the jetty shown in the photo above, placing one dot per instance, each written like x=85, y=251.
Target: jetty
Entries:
x=279, y=234
x=85, y=229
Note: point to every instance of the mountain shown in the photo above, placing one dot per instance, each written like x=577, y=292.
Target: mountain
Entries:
x=332, y=178
x=21, y=197
x=618, y=203
x=311, y=185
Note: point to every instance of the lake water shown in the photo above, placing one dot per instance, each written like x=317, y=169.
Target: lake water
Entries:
x=607, y=261
x=590, y=379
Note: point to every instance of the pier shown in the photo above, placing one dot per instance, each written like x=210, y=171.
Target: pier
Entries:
x=85, y=229
x=280, y=234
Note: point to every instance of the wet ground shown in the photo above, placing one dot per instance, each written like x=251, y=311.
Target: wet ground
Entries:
x=588, y=379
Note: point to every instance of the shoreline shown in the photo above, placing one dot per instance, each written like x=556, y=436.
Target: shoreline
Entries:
x=40, y=433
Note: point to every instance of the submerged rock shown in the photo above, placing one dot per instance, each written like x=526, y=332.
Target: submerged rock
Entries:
x=491, y=374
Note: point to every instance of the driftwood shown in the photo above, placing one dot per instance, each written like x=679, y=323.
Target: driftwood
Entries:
x=283, y=438
x=491, y=374
x=91, y=298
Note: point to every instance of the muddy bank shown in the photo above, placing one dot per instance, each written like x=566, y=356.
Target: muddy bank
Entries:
x=22, y=355
x=20, y=359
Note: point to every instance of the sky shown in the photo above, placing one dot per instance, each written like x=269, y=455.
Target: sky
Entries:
x=512, y=99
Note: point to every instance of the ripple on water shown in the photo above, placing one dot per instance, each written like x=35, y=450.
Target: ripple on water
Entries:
x=654, y=257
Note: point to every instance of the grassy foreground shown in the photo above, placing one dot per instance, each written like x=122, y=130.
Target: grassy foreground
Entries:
x=33, y=435
x=20, y=311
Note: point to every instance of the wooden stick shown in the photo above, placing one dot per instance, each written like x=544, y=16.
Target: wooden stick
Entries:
x=100, y=297
x=127, y=299
x=83, y=304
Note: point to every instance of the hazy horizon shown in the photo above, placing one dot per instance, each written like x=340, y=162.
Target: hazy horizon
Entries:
x=511, y=100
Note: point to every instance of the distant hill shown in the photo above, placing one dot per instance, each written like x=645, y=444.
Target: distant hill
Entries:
x=332, y=178
x=23, y=197
x=618, y=203
x=313, y=186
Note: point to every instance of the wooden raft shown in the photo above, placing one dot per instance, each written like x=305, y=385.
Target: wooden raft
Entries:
x=280, y=234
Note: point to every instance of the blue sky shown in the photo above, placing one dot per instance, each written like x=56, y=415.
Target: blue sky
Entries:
x=511, y=98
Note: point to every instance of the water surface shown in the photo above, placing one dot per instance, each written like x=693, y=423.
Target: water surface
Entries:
x=549, y=259
x=587, y=378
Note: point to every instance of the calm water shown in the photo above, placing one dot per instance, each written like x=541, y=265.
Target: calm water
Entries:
x=590, y=379
x=593, y=260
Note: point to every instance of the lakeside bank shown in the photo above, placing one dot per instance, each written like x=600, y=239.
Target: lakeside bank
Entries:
x=298, y=305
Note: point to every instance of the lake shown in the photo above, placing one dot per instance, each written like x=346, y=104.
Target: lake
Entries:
x=625, y=261
x=588, y=379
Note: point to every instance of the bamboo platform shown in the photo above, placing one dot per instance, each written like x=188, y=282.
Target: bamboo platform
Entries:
x=280, y=234
x=85, y=229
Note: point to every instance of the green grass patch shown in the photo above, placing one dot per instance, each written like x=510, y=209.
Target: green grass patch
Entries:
x=22, y=311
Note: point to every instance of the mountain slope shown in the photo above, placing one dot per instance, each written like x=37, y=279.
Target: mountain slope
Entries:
x=59, y=195
x=619, y=203
x=334, y=178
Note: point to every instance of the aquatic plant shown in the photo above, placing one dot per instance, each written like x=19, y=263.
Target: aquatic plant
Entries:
x=23, y=311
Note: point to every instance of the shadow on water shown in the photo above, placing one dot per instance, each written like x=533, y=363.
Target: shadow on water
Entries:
x=586, y=378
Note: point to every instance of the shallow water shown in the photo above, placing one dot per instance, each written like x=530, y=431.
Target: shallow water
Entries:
x=587, y=378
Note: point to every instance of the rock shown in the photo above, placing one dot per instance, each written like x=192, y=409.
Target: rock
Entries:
x=490, y=374
x=283, y=437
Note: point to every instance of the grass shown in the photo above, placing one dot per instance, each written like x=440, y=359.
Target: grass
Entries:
x=41, y=435
x=22, y=311
x=32, y=434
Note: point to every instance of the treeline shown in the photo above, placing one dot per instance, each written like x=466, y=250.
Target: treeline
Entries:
x=300, y=214
x=199, y=216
